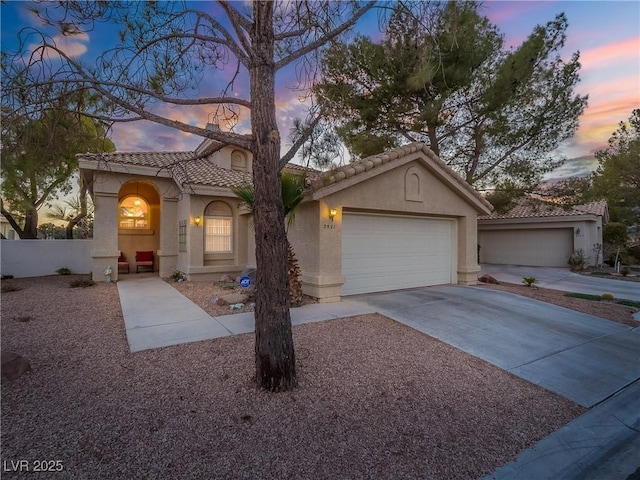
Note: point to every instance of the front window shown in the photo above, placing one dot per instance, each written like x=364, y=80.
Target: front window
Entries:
x=134, y=213
x=217, y=234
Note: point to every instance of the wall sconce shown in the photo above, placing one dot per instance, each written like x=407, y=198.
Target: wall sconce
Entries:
x=332, y=213
x=197, y=221
x=577, y=232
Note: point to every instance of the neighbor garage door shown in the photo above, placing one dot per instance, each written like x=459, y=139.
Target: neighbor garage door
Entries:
x=549, y=247
x=384, y=252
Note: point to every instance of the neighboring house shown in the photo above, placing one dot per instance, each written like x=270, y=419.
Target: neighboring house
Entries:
x=7, y=230
x=539, y=233
x=396, y=220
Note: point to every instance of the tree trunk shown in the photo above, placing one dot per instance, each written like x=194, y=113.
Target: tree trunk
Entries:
x=275, y=358
x=82, y=214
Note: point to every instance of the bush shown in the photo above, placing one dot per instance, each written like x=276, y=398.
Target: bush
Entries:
x=577, y=261
x=607, y=296
x=64, y=271
x=615, y=233
x=625, y=270
x=178, y=276
x=529, y=281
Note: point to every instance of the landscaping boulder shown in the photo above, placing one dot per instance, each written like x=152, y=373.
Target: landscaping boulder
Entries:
x=13, y=365
x=232, y=298
x=488, y=279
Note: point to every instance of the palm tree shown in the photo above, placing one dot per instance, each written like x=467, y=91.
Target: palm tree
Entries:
x=75, y=211
x=292, y=195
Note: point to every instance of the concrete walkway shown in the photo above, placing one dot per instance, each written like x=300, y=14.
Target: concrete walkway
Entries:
x=157, y=315
x=564, y=279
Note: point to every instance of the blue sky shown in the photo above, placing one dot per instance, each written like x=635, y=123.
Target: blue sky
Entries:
x=607, y=34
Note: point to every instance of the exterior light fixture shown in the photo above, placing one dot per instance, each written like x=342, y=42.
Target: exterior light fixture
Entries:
x=197, y=221
x=577, y=232
x=332, y=213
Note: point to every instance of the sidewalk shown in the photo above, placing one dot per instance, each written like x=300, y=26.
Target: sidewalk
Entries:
x=157, y=315
x=603, y=443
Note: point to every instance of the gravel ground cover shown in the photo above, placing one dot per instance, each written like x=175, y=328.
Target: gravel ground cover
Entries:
x=608, y=310
x=376, y=399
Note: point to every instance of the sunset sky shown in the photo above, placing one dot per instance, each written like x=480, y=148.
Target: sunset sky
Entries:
x=607, y=34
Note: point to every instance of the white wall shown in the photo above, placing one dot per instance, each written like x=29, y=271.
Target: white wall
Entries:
x=37, y=258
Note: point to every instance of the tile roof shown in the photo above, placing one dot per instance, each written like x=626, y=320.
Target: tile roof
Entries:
x=529, y=207
x=375, y=161
x=186, y=168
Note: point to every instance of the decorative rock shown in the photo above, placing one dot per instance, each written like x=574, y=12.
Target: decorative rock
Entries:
x=226, y=279
x=13, y=365
x=232, y=298
x=488, y=279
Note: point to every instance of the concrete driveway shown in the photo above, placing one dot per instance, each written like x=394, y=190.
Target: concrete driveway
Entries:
x=581, y=357
x=564, y=279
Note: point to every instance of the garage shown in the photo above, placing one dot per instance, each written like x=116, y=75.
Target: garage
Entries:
x=548, y=247
x=390, y=252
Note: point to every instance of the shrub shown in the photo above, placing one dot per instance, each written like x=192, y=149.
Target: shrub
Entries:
x=81, y=282
x=64, y=271
x=529, y=281
x=607, y=296
x=584, y=296
x=625, y=270
x=178, y=276
x=577, y=261
x=614, y=233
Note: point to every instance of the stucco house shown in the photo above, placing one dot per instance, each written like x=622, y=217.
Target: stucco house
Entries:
x=540, y=233
x=396, y=220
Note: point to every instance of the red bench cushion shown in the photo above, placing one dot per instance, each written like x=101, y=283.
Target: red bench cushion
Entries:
x=144, y=256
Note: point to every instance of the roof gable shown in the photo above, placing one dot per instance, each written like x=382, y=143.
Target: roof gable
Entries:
x=356, y=172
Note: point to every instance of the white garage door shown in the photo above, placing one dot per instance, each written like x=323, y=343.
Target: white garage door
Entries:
x=549, y=247
x=384, y=252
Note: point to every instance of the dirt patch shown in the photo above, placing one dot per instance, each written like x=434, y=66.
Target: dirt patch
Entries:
x=608, y=310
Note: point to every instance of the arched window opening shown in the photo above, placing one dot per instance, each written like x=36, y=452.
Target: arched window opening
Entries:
x=134, y=213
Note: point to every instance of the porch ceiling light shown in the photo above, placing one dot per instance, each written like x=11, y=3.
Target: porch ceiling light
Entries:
x=332, y=213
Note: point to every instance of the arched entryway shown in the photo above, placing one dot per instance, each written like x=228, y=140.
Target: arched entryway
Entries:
x=139, y=222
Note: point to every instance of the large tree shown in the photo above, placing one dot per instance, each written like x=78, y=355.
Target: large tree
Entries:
x=163, y=53
x=39, y=150
x=617, y=178
x=441, y=75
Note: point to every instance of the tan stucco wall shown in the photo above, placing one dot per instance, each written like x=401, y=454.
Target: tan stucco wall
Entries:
x=317, y=239
x=500, y=239
x=200, y=266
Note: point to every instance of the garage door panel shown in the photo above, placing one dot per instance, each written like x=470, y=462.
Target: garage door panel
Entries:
x=386, y=252
x=549, y=247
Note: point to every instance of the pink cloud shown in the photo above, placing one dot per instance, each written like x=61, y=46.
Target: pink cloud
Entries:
x=623, y=50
